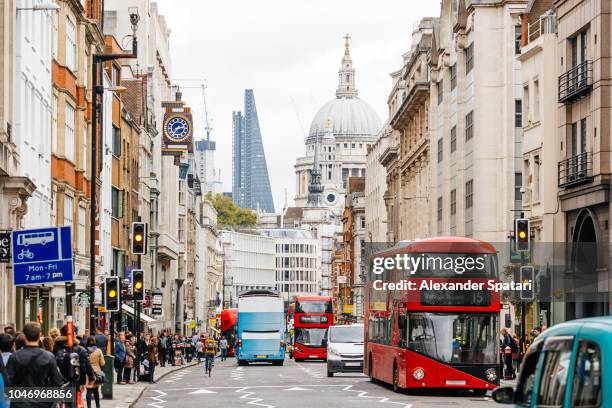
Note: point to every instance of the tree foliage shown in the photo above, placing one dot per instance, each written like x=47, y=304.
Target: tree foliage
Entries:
x=229, y=214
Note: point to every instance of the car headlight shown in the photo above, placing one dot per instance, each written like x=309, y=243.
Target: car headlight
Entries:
x=418, y=374
x=333, y=353
x=491, y=374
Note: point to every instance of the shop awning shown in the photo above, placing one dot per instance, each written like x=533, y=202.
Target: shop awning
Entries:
x=143, y=317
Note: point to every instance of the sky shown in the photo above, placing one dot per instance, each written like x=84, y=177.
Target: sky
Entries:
x=288, y=52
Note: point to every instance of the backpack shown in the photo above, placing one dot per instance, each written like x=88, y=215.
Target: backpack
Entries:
x=210, y=346
x=62, y=359
x=513, y=346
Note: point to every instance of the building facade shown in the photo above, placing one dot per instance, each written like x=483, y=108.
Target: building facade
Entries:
x=249, y=262
x=250, y=179
x=375, y=187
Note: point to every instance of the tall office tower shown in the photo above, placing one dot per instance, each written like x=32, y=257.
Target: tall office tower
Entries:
x=251, y=183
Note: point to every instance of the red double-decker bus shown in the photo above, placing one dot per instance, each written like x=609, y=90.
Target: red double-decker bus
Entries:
x=311, y=318
x=434, y=324
x=229, y=327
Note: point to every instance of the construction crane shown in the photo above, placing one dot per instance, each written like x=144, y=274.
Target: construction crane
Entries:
x=208, y=121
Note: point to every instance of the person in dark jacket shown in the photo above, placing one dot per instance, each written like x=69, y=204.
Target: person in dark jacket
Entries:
x=120, y=357
x=101, y=339
x=85, y=369
x=32, y=367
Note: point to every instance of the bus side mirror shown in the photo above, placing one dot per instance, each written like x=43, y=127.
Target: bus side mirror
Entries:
x=503, y=395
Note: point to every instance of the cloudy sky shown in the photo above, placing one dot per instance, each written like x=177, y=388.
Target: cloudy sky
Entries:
x=288, y=52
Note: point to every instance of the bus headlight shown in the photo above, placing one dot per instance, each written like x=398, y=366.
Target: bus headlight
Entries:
x=418, y=374
x=491, y=375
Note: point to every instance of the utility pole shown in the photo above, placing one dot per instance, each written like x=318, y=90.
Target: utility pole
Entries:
x=97, y=60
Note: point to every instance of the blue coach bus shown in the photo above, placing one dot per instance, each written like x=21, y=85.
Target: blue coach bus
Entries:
x=261, y=327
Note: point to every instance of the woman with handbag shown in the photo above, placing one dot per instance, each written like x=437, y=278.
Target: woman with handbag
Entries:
x=130, y=356
x=96, y=358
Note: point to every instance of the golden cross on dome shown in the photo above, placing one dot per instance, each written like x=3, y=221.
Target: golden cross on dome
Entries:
x=346, y=43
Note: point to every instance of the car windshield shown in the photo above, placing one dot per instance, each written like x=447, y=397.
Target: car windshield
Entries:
x=313, y=307
x=454, y=338
x=310, y=337
x=346, y=334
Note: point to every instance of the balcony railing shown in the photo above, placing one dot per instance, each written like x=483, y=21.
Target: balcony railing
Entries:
x=546, y=24
x=576, y=82
x=575, y=170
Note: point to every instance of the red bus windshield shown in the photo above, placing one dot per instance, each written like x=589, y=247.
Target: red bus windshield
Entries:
x=311, y=306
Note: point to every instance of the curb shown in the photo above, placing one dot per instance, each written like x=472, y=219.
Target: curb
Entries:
x=146, y=387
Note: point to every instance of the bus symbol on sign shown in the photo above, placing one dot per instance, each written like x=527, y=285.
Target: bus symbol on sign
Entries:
x=42, y=256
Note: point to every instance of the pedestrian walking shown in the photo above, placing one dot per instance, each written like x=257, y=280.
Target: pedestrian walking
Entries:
x=7, y=342
x=163, y=345
x=32, y=367
x=96, y=359
x=120, y=354
x=130, y=358
x=508, y=345
x=101, y=339
x=62, y=351
x=223, y=347
x=152, y=352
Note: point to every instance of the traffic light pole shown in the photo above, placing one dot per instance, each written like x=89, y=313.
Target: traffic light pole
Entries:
x=137, y=325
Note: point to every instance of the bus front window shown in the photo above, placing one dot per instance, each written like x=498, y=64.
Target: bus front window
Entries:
x=454, y=338
x=310, y=337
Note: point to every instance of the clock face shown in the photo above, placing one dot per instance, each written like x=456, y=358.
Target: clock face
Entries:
x=177, y=128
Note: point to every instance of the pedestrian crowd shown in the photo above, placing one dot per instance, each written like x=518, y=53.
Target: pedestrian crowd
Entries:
x=31, y=359
x=512, y=349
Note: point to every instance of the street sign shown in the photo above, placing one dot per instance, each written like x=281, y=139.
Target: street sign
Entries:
x=156, y=311
x=42, y=255
x=5, y=246
x=341, y=279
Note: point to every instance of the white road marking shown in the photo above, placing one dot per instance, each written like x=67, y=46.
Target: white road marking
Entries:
x=203, y=391
x=298, y=389
x=158, y=399
x=254, y=400
x=384, y=400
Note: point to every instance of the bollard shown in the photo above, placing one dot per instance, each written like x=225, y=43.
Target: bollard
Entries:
x=109, y=372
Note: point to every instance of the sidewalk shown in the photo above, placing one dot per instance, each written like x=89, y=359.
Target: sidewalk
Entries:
x=124, y=396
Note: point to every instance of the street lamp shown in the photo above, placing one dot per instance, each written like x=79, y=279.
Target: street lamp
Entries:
x=97, y=59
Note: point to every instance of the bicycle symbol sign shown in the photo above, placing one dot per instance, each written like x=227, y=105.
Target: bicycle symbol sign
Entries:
x=42, y=255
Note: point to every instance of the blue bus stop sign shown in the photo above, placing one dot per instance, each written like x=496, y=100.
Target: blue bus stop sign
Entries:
x=42, y=255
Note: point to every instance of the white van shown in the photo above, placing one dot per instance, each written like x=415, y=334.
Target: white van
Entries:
x=344, y=349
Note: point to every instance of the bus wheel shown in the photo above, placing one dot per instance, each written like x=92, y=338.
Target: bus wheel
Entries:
x=242, y=363
x=479, y=392
x=396, y=387
x=371, y=369
x=298, y=360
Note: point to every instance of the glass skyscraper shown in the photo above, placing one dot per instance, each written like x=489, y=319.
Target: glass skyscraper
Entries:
x=250, y=180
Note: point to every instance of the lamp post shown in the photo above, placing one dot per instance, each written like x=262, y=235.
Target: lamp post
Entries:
x=97, y=59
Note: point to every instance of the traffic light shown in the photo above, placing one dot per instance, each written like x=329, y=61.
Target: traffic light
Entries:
x=527, y=278
x=138, y=290
x=112, y=294
x=139, y=238
x=522, y=236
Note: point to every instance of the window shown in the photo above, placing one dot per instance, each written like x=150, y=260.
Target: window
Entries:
x=518, y=113
x=453, y=76
x=68, y=210
x=117, y=202
x=439, y=208
x=181, y=192
x=469, y=58
x=517, y=39
x=181, y=228
x=536, y=100
x=116, y=141
x=453, y=202
x=536, y=178
x=82, y=217
x=84, y=147
x=53, y=208
x=440, y=149
x=440, y=91
x=469, y=125
x=116, y=79
x=583, y=135
x=518, y=183
x=54, y=123
x=453, y=139
x=71, y=45
x=469, y=194
x=528, y=372
x=525, y=103
x=587, y=381
x=362, y=222
x=69, y=133
x=557, y=356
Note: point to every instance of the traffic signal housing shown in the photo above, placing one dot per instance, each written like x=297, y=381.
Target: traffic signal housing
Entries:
x=112, y=294
x=527, y=276
x=522, y=236
x=139, y=238
x=138, y=286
